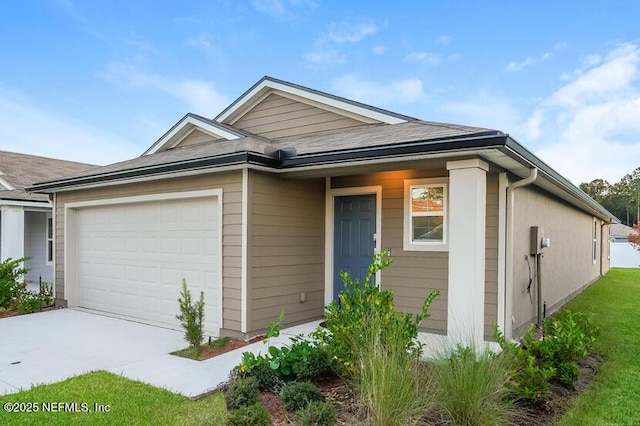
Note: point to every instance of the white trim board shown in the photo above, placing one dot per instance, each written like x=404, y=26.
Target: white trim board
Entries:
x=329, y=228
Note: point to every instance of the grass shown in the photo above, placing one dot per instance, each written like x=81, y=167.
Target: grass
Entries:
x=195, y=353
x=613, y=396
x=130, y=403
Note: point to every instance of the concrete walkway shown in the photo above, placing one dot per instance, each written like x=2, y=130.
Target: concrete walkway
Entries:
x=52, y=346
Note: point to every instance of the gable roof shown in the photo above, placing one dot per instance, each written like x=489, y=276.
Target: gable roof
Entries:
x=18, y=171
x=343, y=106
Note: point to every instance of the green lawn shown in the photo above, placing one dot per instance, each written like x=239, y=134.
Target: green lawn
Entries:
x=614, y=396
x=130, y=403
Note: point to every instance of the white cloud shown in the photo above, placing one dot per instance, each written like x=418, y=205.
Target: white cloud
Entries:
x=513, y=66
x=350, y=32
x=200, y=96
x=327, y=48
x=394, y=92
x=379, y=50
x=426, y=57
x=445, y=40
x=283, y=9
x=596, y=127
x=27, y=128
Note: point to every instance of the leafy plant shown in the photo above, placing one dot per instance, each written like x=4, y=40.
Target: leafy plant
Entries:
x=317, y=413
x=302, y=359
x=567, y=338
x=529, y=377
x=251, y=415
x=296, y=396
x=362, y=303
x=191, y=317
x=28, y=301
x=472, y=387
x=241, y=392
x=10, y=273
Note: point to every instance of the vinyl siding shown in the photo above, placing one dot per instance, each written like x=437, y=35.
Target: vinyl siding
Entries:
x=35, y=247
x=286, y=250
x=567, y=266
x=277, y=116
x=196, y=137
x=231, y=184
x=491, y=256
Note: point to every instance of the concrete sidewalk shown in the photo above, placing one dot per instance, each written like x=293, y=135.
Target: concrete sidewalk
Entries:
x=52, y=346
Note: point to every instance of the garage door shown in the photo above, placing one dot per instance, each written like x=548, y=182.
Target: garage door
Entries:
x=132, y=258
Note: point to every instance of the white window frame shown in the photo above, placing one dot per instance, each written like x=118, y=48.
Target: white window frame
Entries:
x=49, y=252
x=408, y=243
x=594, y=243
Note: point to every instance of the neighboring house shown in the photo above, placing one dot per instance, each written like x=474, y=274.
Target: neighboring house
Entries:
x=25, y=218
x=262, y=206
x=623, y=254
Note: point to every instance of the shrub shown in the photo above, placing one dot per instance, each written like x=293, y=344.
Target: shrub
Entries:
x=472, y=387
x=392, y=384
x=241, y=392
x=265, y=376
x=529, y=378
x=191, y=316
x=317, y=413
x=295, y=396
x=10, y=273
x=567, y=338
x=31, y=301
x=362, y=303
x=251, y=415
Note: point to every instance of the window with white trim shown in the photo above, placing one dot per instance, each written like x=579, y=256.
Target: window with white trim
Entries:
x=425, y=214
x=49, y=239
x=594, y=247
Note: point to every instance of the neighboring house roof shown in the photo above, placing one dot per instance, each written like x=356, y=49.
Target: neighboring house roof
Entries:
x=367, y=134
x=620, y=230
x=18, y=171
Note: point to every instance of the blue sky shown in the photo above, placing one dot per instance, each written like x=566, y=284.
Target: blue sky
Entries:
x=100, y=81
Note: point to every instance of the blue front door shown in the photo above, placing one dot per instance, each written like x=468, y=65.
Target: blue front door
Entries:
x=353, y=237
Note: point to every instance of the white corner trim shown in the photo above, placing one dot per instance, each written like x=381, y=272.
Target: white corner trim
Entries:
x=244, y=251
x=407, y=244
x=329, y=228
x=183, y=128
x=502, y=243
x=220, y=263
x=55, y=254
x=266, y=84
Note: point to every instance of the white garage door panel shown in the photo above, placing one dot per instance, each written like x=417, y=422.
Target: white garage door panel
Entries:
x=132, y=258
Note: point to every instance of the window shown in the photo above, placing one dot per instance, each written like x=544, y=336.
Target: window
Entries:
x=425, y=211
x=594, y=248
x=49, y=239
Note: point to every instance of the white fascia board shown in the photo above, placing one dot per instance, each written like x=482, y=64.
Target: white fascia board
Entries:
x=172, y=138
x=43, y=204
x=315, y=97
x=6, y=184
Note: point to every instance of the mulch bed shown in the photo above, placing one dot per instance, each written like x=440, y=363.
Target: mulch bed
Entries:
x=15, y=313
x=231, y=345
x=342, y=396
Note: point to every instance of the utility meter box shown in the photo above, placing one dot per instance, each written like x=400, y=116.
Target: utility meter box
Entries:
x=535, y=240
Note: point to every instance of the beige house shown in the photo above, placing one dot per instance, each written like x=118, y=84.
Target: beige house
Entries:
x=263, y=205
x=26, y=221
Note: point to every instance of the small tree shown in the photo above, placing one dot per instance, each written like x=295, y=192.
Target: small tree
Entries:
x=191, y=317
x=634, y=237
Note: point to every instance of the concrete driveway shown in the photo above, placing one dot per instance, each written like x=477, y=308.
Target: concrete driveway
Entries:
x=52, y=346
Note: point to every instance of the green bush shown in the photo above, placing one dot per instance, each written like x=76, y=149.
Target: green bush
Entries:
x=10, y=273
x=265, y=376
x=529, y=377
x=31, y=301
x=472, y=387
x=317, y=413
x=251, y=415
x=362, y=303
x=295, y=396
x=191, y=317
x=567, y=338
x=241, y=392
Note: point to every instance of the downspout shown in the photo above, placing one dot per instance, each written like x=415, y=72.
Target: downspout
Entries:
x=508, y=294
